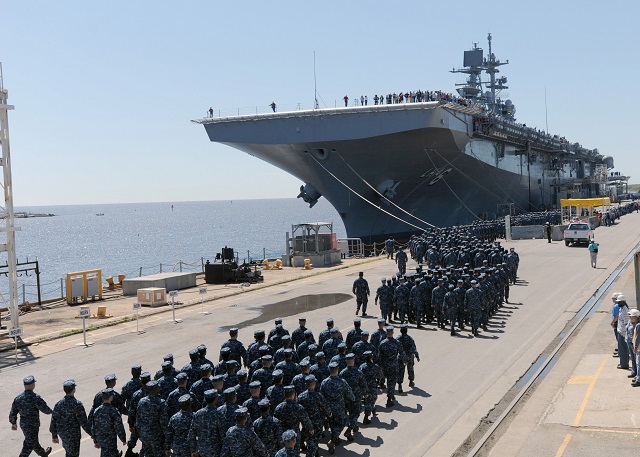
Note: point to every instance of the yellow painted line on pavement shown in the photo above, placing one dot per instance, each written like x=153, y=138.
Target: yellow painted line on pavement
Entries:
x=605, y=430
x=587, y=395
x=580, y=380
x=564, y=445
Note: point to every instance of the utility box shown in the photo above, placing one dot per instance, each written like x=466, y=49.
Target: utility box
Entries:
x=93, y=286
x=77, y=287
x=152, y=296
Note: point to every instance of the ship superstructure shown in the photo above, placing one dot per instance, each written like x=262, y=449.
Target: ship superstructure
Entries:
x=396, y=169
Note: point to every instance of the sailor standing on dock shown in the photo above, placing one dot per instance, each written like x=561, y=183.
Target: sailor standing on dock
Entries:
x=361, y=291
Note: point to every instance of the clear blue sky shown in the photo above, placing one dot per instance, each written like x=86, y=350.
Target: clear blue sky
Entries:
x=105, y=91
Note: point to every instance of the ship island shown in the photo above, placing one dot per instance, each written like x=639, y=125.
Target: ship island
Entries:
x=396, y=169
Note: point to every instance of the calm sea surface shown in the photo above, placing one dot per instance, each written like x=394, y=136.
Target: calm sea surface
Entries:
x=130, y=236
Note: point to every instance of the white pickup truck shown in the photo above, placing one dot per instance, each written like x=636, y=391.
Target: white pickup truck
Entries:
x=577, y=232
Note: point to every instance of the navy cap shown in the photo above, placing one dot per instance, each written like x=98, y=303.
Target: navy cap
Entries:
x=404, y=325
x=289, y=436
x=335, y=330
x=184, y=399
x=254, y=385
x=264, y=403
x=277, y=374
x=180, y=376
x=278, y=320
x=230, y=363
x=233, y=331
x=288, y=351
x=218, y=378
x=309, y=379
x=286, y=338
x=204, y=368
x=28, y=380
x=313, y=347
x=110, y=377
x=320, y=355
x=364, y=333
x=357, y=320
x=166, y=364
x=243, y=373
x=152, y=384
x=264, y=348
x=333, y=365
x=308, y=332
x=289, y=389
x=342, y=346
x=381, y=321
x=168, y=357
x=242, y=411
x=351, y=355
x=136, y=368
x=225, y=350
x=193, y=352
x=145, y=376
x=279, y=326
x=210, y=394
x=69, y=384
x=258, y=333
x=201, y=348
x=267, y=357
x=108, y=391
x=389, y=329
x=330, y=320
x=302, y=319
x=229, y=392
x=304, y=363
x=368, y=353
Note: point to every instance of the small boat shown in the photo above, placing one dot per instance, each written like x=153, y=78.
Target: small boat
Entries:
x=99, y=214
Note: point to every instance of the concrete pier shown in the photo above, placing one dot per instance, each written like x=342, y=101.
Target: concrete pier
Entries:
x=458, y=380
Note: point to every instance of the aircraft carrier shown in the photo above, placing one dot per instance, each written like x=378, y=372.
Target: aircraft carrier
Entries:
x=398, y=169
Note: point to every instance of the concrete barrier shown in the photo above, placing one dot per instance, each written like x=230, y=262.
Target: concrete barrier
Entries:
x=527, y=232
x=168, y=281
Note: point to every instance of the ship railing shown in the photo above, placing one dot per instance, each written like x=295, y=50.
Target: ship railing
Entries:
x=351, y=247
x=248, y=110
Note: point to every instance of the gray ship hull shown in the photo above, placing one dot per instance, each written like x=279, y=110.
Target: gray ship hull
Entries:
x=425, y=157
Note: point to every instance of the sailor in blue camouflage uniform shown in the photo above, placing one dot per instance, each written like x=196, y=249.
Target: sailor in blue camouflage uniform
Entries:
x=275, y=393
x=361, y=347
x=459, y=293
x=133, y=408
x=298, y=335
x=383, y=293
x=450, y=304
x=177, y=435
x=330, y=347
x=321, y=369
x=318, y=410
x=289, y=438
x=286, y=344
x=252, y=404
x=110, y=382
x=174, y=372
x=341, y=357
x=264, y=374
x=401, y=260
x=131, y=386
x=473, y=303
x=390, y=355
x=276, y=340
x=268, y=428
x=338, y=394
x=437, y=301
x=325, y=334
x=238, y=351
x=372, y=374
x=288, y=367
x=207, y=428
x=353, y=336
x=302, y=349
x=68, y=417
x=173, y=405
x=253, y=351
x=201, y=386
x=257, y=364
x=416, y=303
x=28, y=406
x=202, y=352
x=389, y=247
x=151, y=421
x=293, y=415
x=358, y=384
x=107, y=426
x=167, y=381
x=193, y=367
x=274, y=330
x=361, y=290
x=298, y=380
x=401, y=295
x=241, y=440
x=221, y=366
x=411, y=353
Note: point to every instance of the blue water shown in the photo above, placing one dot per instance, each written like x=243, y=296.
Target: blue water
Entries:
x=131, y=236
